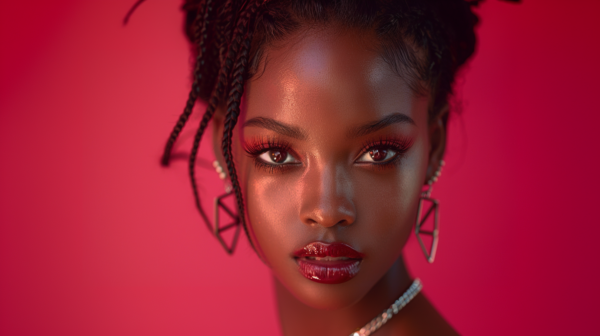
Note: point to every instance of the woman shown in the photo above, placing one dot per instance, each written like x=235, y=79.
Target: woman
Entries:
x=341, y=111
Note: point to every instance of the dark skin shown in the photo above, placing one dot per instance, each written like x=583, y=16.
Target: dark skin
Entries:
x=334, y=146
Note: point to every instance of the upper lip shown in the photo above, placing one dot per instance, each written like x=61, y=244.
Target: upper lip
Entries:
x=323, y=250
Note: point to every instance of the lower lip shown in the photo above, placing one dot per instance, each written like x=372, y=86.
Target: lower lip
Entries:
x=328, y=272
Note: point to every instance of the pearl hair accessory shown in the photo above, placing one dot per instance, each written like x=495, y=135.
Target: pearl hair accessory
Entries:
x=387, y=314
x=437, y=173
x=219, y=170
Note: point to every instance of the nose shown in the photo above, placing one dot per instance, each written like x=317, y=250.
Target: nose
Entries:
x=327, y=197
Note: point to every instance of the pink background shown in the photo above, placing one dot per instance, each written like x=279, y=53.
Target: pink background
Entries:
x=97, y=239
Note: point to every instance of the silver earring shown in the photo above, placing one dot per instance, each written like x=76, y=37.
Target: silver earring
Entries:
x=219, y=205
x=433, y=209
x=234, y=224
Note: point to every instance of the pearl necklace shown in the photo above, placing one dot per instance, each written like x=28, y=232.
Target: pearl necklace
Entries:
x=387, y=314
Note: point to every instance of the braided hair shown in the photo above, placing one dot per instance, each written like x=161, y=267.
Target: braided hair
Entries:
x=424, y=41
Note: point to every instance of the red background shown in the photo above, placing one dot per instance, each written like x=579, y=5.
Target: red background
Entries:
x=97, y=239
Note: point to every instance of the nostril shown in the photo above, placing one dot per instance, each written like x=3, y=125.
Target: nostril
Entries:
x=343, y=222
x=311, y=221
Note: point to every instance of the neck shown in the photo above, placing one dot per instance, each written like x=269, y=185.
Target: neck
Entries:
x=294, y=314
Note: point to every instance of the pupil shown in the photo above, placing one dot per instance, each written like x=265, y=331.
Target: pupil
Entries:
x=278, y=156
x=378, y=154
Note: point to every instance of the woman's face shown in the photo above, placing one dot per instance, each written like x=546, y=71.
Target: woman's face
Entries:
x=333, y=148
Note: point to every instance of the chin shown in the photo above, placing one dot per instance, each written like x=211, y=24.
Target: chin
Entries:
x=325, y=296
x=320, y=296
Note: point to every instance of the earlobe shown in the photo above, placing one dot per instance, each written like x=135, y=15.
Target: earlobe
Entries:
x=437, y=140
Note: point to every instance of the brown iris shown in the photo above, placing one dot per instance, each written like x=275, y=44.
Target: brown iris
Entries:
x=378, y=154
x=278, y=156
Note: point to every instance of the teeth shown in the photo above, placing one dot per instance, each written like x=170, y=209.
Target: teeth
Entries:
x=327, y=258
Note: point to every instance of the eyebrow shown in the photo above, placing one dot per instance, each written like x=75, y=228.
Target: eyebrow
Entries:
x=396, y=118
x=297, y=133
x=276, y=126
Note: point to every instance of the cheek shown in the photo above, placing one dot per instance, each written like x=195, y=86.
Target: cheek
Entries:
x=387, y=206
x=272, y=206
x=272, y=217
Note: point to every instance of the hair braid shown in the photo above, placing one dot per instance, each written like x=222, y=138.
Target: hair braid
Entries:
x=233, y=104
x=208, y=114
x=217, y=93
x=200, y=35
x=224, y=29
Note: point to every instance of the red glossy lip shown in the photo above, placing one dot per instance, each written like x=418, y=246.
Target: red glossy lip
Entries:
x=328, y=263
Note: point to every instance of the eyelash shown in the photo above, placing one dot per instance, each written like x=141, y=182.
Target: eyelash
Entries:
x=398, y=145
x=258, y=146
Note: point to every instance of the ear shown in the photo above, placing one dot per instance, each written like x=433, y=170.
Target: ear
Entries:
x=437, y=141
x=218, y=120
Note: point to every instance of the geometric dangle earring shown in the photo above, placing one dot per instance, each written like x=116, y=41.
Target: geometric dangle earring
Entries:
x=234, y=221
x=433, y=209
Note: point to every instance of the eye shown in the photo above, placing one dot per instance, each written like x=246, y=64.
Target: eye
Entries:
x=378, y=155
x=277, y=156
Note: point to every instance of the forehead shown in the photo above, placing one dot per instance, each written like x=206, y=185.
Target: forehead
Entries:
x=327, y=72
